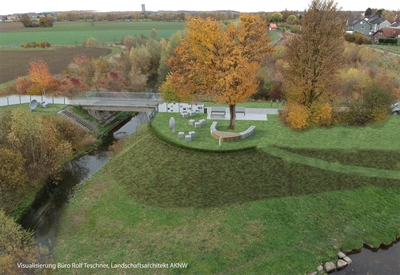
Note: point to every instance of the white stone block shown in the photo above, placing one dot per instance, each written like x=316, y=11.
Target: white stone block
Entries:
x=329, y=266
x=341, y=264
x=197, y=124
x=348, y=260
x=191, y=122
x=185, y=115
x=188, y=138
x=192, y=134
x=202, y=121
x=181, y=135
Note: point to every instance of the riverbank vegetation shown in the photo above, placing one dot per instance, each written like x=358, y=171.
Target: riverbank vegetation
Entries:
x=247, y=212
x=33, y=146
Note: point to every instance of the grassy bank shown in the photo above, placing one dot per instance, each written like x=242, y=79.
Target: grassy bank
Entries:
x=51, y=110
x=239, y=213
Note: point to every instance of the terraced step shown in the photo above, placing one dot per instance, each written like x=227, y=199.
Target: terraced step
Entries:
x=83, y=123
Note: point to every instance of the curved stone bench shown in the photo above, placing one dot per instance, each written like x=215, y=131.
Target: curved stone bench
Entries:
x=229, y=136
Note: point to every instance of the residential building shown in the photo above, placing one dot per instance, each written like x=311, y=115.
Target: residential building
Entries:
x=378, y=23
x=361, y=26
x=386, y=33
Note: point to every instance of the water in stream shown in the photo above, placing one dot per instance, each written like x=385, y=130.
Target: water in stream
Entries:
x=44, y=213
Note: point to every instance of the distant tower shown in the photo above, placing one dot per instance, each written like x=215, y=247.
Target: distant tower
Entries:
x=143, y=8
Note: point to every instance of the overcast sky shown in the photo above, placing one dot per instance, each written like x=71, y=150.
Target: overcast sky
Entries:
x=22, y=6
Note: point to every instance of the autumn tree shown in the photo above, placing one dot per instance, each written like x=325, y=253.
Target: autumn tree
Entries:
x=25, y=20
x=39, y=74
x=277, y=17
x=167, y=51
x=219, y=61
x=314, y=57
x=17, y=246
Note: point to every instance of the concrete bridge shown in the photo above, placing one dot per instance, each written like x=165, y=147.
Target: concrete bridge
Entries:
x=118, y=101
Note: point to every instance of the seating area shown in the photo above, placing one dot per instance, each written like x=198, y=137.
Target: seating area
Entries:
x=248, y=132
x=229, y=136
x=218, y=111
x=240, y=110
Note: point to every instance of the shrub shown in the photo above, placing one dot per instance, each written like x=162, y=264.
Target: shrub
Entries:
x=34, y=90
x=372, y=106
x=296, y=116
x=321, y=114
x=117, y=146
x=90, y=42
x=22, y=85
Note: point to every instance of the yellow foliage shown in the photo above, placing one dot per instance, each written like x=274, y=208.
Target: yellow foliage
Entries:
x=297, y=116
x=219, y=61
x=12, y=170
x=321, y=114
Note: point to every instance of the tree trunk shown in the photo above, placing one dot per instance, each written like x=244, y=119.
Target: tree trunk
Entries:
x=233, y=116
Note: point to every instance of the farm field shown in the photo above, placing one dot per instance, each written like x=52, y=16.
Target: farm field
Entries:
x=15, y=63
x=73, y=33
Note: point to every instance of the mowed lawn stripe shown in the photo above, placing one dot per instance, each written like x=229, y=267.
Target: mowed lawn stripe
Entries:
x=157, y=203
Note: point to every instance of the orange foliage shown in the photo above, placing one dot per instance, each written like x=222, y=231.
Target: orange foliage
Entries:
x=321, y=114
x=219, y=62
x=39, y=73
x=22, y=85
x=296, y=116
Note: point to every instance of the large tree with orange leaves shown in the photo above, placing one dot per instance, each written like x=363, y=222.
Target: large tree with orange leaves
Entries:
x=39, y=74
x=219, y=61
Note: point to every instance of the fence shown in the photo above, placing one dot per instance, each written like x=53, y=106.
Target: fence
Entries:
x=20, y=99
x=118, y=95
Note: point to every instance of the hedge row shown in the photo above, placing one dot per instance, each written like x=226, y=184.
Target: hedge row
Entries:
x=178, y=145
x=388, y=40
x=34, y=44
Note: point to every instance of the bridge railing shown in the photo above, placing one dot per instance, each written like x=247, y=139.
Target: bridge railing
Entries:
x=121, y=95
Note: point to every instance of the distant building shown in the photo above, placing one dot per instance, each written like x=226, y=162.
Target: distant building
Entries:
x=272, y=27
x=143, y=8
x=361, y=26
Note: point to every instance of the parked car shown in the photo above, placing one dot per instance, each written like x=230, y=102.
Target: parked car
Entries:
x=396, y=108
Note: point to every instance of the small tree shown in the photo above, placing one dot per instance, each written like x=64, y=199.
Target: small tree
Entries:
x=277, y=17
x=25, y=20
x=315, y=56
x=39, y=74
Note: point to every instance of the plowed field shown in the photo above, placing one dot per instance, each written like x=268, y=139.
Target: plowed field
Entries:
x=15, y=63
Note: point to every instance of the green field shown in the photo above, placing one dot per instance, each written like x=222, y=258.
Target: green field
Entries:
x=254, y=212
x=74, y=33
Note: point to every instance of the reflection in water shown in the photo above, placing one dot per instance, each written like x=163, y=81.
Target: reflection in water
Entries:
x=383, y=261
x=44, y=213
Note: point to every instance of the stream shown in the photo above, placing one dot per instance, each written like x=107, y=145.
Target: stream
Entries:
x=45, y=212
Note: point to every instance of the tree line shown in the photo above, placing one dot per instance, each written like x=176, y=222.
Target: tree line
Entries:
x=308, y=70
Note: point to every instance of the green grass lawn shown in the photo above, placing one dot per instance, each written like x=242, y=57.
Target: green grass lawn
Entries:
x=73, y=34
x=251, y=212
x=52, y=109
x=389, y=48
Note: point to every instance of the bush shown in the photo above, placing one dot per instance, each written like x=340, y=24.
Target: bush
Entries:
x=34, y=90
x=90, y=42
x=373, y=106
x=42, y=44
x=357, y=38
x=17, y=245
x=388, y=40
x=296, y=116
